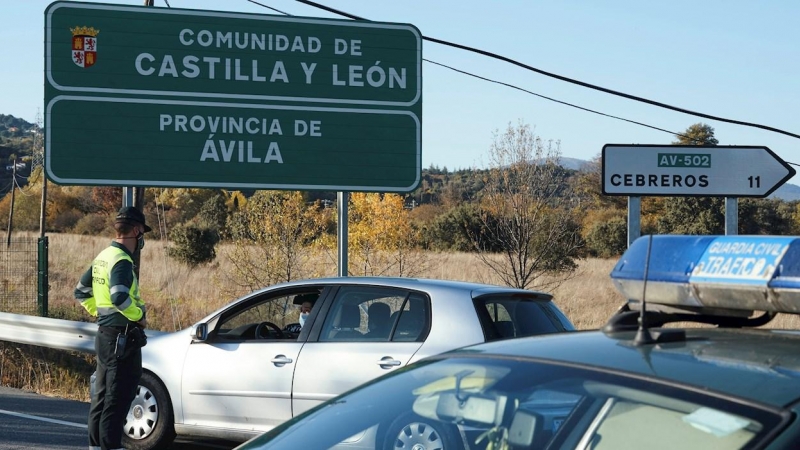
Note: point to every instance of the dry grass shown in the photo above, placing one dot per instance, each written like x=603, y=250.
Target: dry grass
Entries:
x=46, y=371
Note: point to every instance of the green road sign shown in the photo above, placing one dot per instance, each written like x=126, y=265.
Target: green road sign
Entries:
x=149, y=96
x=185, y=143
x=113, y=49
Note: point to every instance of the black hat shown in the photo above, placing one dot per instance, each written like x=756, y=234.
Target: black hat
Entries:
x=130, y=215
x=302, y=298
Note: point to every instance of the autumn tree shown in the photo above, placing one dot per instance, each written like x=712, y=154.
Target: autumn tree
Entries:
x=234, y=200
x=107, y=199
x=184, y=204
x=68, y=208
x=693, y=215
x=271, y=237
x=588, y=184
x=767, y=216
x=603, y=215
x=526, y=211
x=382, y=238
x=27, y=205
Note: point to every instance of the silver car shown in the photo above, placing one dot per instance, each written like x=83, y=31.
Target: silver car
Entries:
x=250, y=366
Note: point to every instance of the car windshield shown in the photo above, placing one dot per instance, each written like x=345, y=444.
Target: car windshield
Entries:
x=481, y=402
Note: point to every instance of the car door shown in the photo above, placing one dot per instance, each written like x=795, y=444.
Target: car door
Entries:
x=367, y=331
x=241, y=376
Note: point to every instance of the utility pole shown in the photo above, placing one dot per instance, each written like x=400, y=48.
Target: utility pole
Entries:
x=39, y=149
x=11, y=209
x=43, y=263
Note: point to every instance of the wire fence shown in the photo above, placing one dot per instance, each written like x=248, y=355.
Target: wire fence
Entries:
x=19, y=276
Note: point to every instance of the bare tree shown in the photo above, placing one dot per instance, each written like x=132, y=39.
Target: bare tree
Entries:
x=528, y=229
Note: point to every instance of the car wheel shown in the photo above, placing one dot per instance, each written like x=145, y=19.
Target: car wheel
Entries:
x=412, y=432
x=149, y=424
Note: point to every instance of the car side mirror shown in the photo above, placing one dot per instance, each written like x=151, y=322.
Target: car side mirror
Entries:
x=200, y=333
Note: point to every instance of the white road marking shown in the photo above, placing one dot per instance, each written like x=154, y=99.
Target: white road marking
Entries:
x=44, y=419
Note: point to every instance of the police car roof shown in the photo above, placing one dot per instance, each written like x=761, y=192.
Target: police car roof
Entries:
x=745, y=273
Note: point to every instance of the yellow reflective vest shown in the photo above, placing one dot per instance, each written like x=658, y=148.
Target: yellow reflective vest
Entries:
x=131, y=305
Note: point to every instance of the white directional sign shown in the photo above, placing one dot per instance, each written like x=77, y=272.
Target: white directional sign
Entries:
x=684, y=170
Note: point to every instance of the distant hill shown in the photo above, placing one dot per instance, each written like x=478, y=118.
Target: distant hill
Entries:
x=14, y=127
x=787, y=192
x=573, y=163
x=16, y=141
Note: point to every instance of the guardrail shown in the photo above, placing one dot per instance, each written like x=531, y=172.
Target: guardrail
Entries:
x=48, y=332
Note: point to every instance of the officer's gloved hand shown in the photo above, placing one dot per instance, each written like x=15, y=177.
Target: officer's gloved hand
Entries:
x=137, y=337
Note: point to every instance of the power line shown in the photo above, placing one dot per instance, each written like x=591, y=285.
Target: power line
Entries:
x=269, y=7
x=19, y=188
x=566, y=79
x=555, y=100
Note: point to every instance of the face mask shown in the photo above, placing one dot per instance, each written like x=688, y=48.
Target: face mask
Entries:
x=303, y=317
x=140, y=239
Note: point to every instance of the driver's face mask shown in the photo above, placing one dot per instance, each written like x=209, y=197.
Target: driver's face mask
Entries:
x=303, y=317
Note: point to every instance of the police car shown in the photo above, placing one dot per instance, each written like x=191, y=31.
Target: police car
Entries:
x=684, y=364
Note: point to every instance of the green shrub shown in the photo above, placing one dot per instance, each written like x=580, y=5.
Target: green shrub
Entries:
x=608, y=239
x=454, y=229
x=193, y=245
x=93, y=225
x=214, y=214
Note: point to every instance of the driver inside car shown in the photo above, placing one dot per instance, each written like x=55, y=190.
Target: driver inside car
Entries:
x=305, y=310
x=306, y=303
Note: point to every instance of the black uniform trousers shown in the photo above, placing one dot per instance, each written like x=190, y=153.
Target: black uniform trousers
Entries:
x=114, y=390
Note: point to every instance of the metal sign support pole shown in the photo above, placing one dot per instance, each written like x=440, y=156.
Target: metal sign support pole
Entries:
x=341, y=232
x=127, y=196
x=634, y=219
x=731, y=216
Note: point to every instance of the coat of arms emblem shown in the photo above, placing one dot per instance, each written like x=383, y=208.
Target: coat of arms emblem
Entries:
x=84, y=46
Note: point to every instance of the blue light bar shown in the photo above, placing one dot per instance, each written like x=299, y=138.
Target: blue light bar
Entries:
x=747, y=273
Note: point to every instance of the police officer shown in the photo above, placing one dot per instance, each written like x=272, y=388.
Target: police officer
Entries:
x=109, y=290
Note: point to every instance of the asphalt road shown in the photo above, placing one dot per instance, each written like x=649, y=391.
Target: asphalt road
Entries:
x=29, y=421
